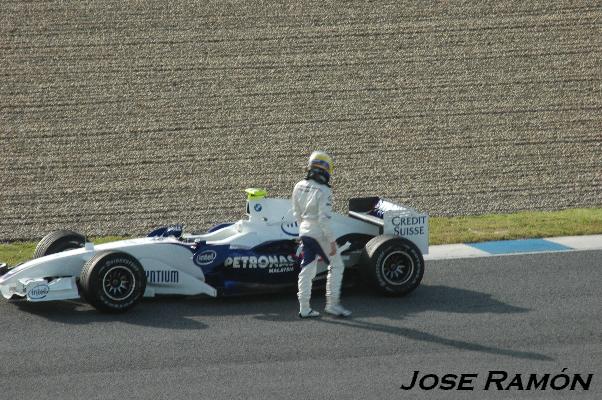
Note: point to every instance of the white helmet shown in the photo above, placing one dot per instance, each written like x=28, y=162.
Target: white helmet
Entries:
x=321, y=160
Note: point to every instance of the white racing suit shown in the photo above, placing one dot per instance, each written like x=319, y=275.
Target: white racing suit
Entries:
x=312, y=207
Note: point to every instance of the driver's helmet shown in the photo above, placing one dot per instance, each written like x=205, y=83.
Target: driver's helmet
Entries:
x=321, y=161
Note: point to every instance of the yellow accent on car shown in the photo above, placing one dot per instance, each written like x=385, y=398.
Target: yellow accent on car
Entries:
x=255, y=193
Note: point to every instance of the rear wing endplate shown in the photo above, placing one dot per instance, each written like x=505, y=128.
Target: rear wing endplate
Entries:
x=393, y=219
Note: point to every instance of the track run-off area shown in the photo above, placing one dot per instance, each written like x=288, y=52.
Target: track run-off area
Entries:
x=527, y=314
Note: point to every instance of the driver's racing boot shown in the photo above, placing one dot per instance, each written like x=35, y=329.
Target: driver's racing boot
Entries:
x=308, y=313
x=333, y=288
x=337, y=310
x=306, y=276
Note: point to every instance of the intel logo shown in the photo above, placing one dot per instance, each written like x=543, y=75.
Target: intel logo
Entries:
x=38, y=292
x=206, y=257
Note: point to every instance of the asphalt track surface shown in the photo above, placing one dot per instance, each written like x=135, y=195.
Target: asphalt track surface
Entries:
x=522, y=314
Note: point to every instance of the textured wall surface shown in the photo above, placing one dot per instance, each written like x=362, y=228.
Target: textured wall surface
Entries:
x=117, y=116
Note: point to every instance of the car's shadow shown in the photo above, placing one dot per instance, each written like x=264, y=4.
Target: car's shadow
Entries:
x=168, y=315
x=166, y=312
x=194, y=313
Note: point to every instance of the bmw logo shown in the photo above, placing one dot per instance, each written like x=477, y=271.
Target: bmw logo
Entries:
x=257, y=207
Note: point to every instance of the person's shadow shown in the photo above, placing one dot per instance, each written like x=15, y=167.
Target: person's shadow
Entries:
x=425, y=298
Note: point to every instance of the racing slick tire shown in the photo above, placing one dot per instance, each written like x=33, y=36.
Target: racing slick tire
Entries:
x=392, y=265
x=112, y=281
x=58, y=241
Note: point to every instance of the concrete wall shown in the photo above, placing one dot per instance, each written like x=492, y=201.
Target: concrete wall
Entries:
x=117, y=116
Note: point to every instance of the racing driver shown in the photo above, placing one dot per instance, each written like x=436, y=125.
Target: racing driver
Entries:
x=312, y=207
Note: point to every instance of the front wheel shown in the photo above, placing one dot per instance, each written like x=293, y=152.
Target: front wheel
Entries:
x=392, y=265
x=113, y=281
x=58, y=241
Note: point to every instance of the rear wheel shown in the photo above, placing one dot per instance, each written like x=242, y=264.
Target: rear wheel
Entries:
x=392, y=265
x=58, y=241
x=113, y=281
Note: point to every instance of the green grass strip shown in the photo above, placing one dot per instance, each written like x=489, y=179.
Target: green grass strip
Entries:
x=443, y=230
x=16, y=252
x=521, y=225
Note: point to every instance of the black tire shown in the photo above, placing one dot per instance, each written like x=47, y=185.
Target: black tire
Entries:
x=392, y=265
x=112, y=281
x=58, y=241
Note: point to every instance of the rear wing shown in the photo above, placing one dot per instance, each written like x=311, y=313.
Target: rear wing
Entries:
x=393, y=219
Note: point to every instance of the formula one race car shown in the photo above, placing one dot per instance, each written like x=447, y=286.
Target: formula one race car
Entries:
x=379, y=239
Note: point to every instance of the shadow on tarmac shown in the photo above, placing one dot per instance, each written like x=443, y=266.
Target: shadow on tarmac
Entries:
x=426, y=298
x=183, y=313
x=415, y=334
x=166, y=311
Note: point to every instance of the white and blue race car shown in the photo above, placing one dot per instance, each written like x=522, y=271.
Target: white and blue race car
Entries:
x=382, y=241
